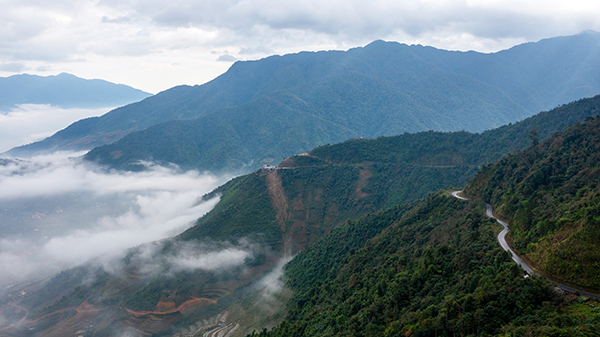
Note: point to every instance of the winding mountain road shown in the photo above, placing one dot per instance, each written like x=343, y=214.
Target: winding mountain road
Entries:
x=489, y=211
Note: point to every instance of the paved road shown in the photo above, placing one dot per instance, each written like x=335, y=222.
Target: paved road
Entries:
x=489, y=211
x=456, y=195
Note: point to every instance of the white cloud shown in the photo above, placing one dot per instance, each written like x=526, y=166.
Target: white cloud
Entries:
x=273, y=283
x=360, y=19
x=185, y=256
x=196, y=257
x=61, y=173
x=271, y=288
x=159, y=215
x=12, y=67
x=101, y=213
x=28, y=123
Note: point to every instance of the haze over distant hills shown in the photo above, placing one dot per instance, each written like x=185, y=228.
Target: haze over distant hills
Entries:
x=262, y=111
x=65, y=91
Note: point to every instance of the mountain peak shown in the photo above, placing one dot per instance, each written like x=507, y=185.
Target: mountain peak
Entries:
x=590, y=32
x=67, y=75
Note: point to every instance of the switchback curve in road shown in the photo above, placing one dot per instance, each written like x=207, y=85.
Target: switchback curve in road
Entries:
x=489, y=211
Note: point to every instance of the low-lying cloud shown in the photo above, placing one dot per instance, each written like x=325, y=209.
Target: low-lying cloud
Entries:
x=271, y=292
x=28, y=123
x=186, y=256
x=272, y=284
x=61, y=173
x=192, y=260
x=60, y=212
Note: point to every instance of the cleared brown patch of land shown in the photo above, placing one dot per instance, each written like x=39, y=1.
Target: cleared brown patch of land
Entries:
x=180, y=308
x=365, y=173
x=164, y=304
x=278, y=198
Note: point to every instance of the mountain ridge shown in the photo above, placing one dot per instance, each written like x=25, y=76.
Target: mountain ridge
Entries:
x=66, y=91
x=384, y=88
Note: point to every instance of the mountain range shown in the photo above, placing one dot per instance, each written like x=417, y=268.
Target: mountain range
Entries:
x=362, y=237
x=263, y=111
x=65, y=91
x=372, y=256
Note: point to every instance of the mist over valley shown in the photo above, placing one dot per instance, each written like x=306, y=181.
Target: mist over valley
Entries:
x=58, y=212
x=310, y=194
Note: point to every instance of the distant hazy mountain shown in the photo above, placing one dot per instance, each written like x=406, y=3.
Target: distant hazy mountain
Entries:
x=262, y=111
x=65, y=91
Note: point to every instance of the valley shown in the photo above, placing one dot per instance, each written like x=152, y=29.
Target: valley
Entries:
x=386, y=170
x=268, y=217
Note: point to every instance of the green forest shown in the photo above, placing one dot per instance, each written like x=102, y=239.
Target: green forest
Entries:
x=433, y=269
x=382, y=247
x=263, y=111
x=550, y=194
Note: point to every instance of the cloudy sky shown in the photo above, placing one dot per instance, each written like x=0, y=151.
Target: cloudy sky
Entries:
x=156, y=44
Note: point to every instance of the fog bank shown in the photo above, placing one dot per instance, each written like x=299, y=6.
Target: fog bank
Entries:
x=28, y=123
x=60, y=212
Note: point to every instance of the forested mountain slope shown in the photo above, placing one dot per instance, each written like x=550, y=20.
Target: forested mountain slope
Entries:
x=550, y=195
x=274, y=215
x=435, y=269
x=197, y=144
x=329, y=184
x=384, y=88
x=455, y=148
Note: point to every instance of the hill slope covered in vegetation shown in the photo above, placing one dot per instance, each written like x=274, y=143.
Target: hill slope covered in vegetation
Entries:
x=438, y=257
x=549, y=193
x=437, y=269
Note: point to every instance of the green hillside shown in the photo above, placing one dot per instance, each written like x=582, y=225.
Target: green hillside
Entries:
x=549, y=193
x=248, y=141
x=458, y=148
x=332, y=183
x=365, y=253
x=435, y=269
x=296, y=206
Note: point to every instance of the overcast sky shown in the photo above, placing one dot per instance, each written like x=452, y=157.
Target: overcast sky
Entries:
x=156, y=44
